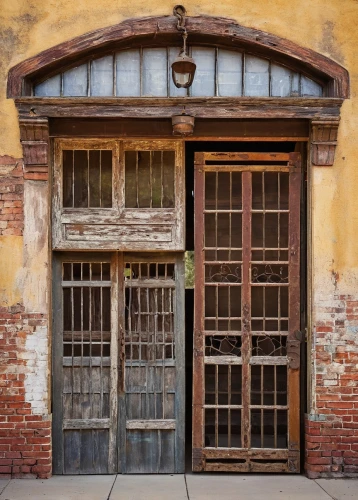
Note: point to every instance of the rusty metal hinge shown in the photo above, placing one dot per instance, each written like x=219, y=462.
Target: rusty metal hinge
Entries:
x=293, y=353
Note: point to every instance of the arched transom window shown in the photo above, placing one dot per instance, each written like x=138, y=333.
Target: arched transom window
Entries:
x=146, y=72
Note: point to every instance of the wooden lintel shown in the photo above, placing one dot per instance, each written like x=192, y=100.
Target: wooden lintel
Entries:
x=206, y=108
x=323, y=141
x=34, y=137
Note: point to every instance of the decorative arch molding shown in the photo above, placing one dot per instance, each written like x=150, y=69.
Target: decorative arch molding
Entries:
x=34, y=112
x=160, y=30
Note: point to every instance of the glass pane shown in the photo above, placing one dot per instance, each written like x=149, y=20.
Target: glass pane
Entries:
x=67, y=180
x=295, y=85
x=204, y=80
x=80, y=178
x=50, y=87
x=168, y=179
x=144, y=158
x=173, y=53
x=280, y=81
x=229, y=73
x=157, y=174
x=106, y=179
x=75, y=81
x=128, y=73
x=94, y=178
x=256, y=76
x=102, y=76
x=131, y=194
x=310, y=88
x=154, y=73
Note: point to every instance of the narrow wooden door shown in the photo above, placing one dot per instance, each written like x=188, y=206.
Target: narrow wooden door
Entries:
x=247, y=312
x=85, y=364
x=152, y=404
x=118, y=363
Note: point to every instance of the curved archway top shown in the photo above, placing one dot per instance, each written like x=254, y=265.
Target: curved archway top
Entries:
x=162, y=30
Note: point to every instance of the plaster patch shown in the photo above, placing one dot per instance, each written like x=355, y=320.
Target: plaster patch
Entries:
x=36, y=375
x=34, y=274
x=329, y=42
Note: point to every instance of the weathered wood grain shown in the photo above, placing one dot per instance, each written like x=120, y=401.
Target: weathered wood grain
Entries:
x=223, y=360
x=323, y=142
x=248, y=130
x=34, y=138
x=294, y=306
x=118, y=228
x=151, y=424
x=220, y=453
x=204, y=108
x=89, y=423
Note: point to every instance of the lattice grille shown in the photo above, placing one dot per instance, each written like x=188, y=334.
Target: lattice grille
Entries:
x=149, y=179
x=87, y=178
x=86, y=339
x=149, y=340
x=249, y=270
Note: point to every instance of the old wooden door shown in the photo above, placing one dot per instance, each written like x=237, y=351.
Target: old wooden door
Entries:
x=118, y=374
x=247, y=314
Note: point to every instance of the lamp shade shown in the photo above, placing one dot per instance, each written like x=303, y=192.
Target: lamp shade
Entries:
x=183, y=71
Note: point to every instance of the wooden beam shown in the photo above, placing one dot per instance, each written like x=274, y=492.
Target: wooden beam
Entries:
x=323, y=141
x=211, y=107
x=205, y=129
x=34, y=137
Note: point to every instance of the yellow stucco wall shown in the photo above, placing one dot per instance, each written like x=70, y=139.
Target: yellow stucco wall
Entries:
x=11, y=258
x=327, y=26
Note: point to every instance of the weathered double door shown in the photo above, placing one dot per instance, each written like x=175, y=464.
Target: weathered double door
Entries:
x=247, y=313
x=118, y=364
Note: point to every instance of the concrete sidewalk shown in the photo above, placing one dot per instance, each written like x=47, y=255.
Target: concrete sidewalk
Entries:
x=179, y=487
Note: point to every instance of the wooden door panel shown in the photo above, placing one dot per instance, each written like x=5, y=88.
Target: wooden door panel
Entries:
x=85, y=365
x=150, y=451
x=153, y=365
x=246, y=371
x=119, y=364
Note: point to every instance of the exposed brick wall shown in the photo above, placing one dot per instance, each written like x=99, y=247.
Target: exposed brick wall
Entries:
x=11, y=196
x=25, y=426
x=332, y=429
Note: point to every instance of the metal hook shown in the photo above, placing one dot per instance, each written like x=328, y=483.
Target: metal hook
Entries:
x=180, y=12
